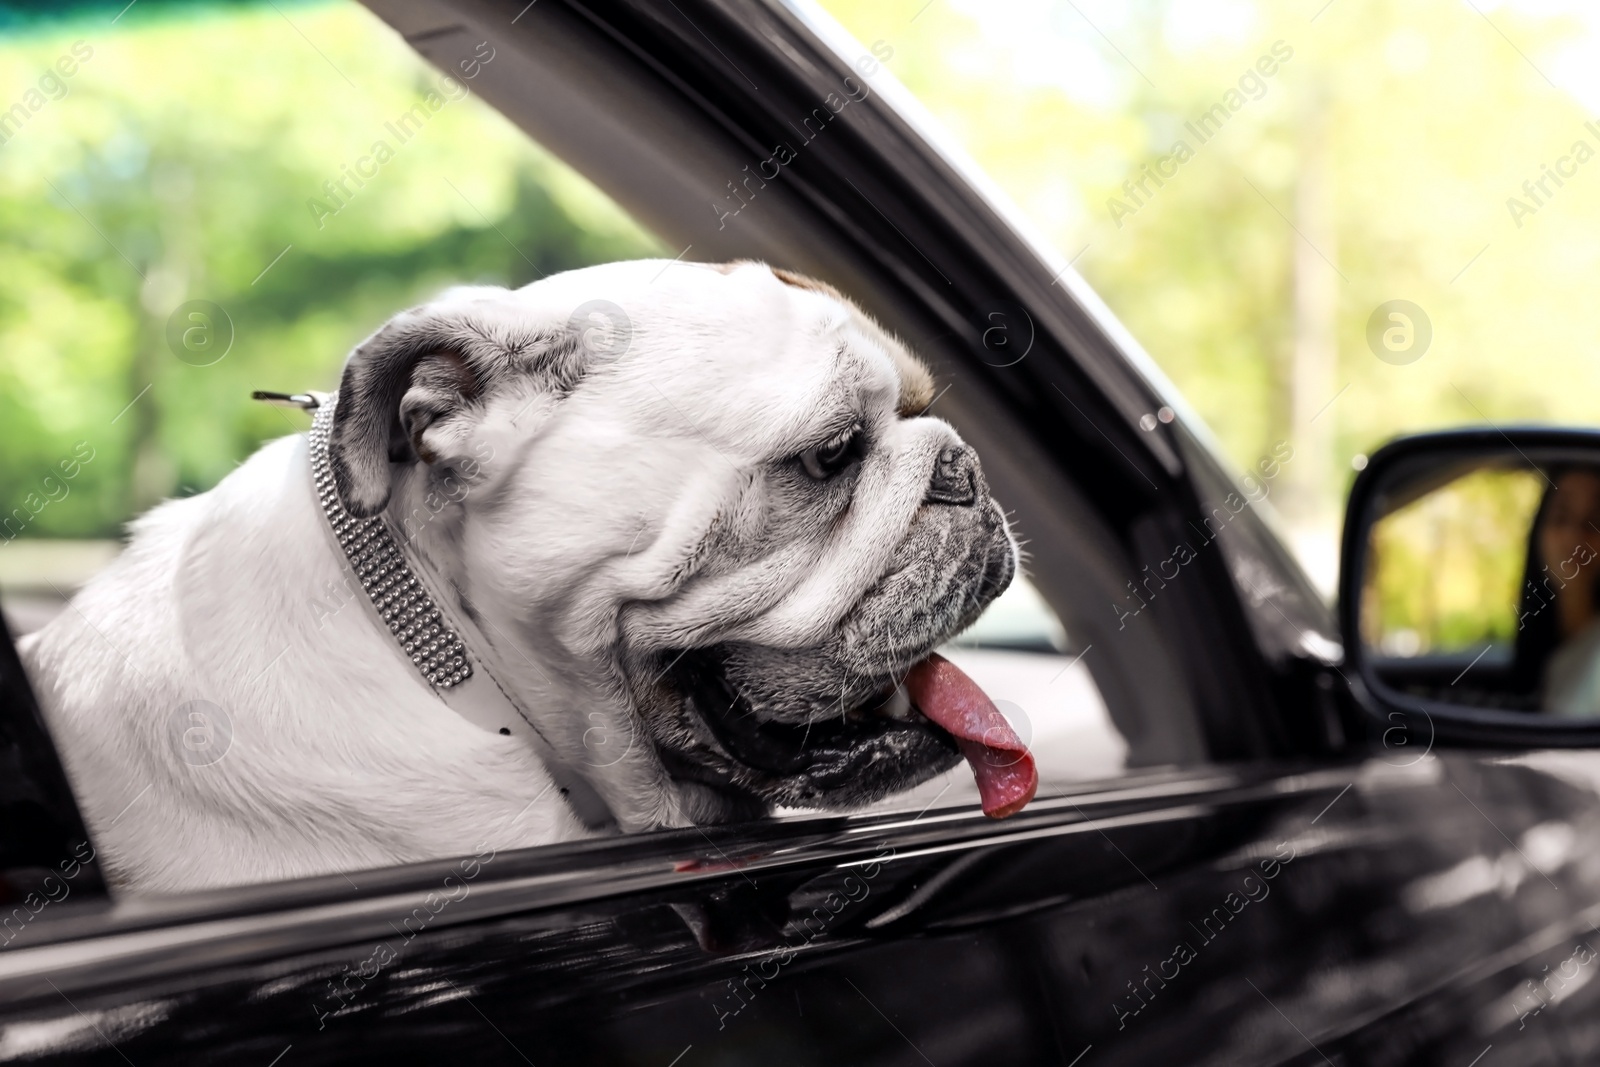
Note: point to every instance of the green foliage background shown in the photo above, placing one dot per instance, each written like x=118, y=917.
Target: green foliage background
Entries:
x=1426, y=116
x=177, y=167
x=180, y=162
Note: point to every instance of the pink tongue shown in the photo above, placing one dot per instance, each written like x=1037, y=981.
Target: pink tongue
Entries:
x=1000, y=761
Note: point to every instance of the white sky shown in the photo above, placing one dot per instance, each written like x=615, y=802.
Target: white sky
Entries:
x=1065, y=44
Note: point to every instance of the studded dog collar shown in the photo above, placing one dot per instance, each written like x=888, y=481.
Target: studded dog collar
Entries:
x=405, y=607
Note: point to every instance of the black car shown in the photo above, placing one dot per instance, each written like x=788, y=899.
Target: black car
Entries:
x=1319, y=841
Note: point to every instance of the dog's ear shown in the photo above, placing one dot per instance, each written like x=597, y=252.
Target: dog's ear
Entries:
x=422, y=368
x=403, y=387
x=395, y=384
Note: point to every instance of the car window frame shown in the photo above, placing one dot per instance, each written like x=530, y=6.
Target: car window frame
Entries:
x=1078, y=405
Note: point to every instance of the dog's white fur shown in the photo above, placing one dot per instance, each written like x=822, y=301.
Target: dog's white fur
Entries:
x=582, y=536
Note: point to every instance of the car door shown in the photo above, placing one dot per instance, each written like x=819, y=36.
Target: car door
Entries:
x=1367, y=913
x=1268, y=872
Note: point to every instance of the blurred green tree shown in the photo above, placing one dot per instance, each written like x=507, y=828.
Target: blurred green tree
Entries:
x=1376, y=163
x=183, y=160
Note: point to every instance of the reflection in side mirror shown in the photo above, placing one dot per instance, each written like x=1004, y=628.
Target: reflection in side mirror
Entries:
x=1473, y=572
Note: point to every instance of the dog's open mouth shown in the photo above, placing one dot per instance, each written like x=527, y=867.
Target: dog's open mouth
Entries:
x=935, y=703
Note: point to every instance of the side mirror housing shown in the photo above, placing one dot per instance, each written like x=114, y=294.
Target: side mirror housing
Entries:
x=1469, y=591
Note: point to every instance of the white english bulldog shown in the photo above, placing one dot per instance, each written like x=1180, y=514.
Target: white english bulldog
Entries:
x=641, y=545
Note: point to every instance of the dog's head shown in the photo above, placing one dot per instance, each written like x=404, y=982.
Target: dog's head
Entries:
x=702, y=516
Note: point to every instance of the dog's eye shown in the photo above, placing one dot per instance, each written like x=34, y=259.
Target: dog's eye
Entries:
x=832, y=456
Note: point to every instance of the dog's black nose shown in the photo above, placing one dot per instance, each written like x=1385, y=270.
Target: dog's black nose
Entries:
x=954, y=478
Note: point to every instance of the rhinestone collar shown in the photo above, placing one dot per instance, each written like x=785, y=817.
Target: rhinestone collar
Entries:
x=381, y=568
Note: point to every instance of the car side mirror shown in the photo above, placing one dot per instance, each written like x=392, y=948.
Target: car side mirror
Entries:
x=1469, y=594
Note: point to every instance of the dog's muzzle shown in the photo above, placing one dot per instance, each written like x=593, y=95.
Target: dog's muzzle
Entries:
x=836, y=725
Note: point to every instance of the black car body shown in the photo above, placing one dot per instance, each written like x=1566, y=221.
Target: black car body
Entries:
x=1293, y=877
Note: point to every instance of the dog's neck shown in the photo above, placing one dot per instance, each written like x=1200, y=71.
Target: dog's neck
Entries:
x=412, y=567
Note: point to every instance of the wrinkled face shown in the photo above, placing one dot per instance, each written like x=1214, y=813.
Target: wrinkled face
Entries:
x=862, y=537
x=827, y=723
x=717, y=520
